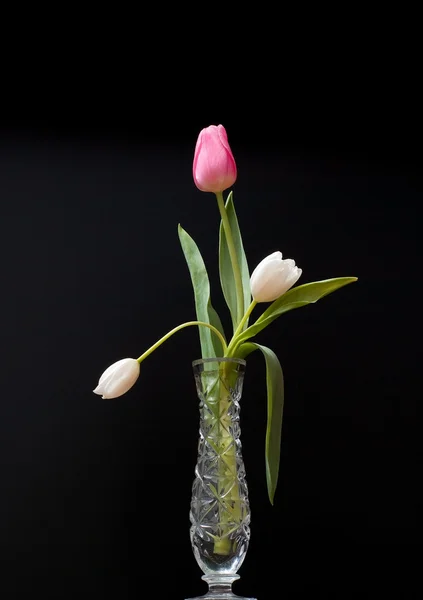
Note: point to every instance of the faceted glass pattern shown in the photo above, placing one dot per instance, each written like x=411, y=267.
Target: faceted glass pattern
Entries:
x=220, y=512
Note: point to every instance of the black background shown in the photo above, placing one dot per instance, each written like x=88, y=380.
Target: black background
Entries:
x=95, y=494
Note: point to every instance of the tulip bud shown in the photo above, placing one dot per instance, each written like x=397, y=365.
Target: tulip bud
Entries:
x=214, y=168
x=118, y=378
x=273, y=277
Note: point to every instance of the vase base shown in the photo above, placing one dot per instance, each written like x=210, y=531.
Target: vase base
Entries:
x=218, y=596
x=220, y=587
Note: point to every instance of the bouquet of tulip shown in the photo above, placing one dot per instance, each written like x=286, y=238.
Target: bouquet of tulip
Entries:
x=214, y=170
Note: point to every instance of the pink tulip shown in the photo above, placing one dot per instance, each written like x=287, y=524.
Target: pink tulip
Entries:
x=214, y=167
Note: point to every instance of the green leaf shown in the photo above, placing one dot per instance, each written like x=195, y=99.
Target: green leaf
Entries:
x=275, y=400
x=225, y=266
x=245, y=349
x=211, y=346
x=214, y=320
x=295, y=298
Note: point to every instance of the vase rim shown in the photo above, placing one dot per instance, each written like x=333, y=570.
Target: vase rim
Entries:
x=239, y=361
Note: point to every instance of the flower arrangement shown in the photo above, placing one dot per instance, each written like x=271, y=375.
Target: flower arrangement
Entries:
x=272, y=281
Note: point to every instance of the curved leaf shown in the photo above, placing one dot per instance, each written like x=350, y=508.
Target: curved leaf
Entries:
x=295, y=298
x=245, y=349
x=211, y=346
x=275, y=401
x=225, y=266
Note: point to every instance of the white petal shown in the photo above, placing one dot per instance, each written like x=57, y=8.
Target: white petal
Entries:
x=289, y=262
x=277, y=254
x=273, y=277
x=110, y=370
x=275, y=257
x=264, y=279
x=118, y=378
x=293, y=277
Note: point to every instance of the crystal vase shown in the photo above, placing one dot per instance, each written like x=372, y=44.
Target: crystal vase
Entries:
x=220, y=512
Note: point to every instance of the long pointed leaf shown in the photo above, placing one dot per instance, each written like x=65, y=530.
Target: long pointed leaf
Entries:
x=295, y=298
x=214, y=320
x=210, y=343
x=225, y=266
x=245, y=350
x=275, y=401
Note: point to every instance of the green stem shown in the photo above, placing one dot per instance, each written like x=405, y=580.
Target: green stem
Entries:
x=232, y=253
x=170, y=333
x=240, y=327
x=229, y=503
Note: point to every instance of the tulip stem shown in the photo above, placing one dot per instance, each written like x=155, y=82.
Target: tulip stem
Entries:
x=234, y=260
x=179, y=327
x=240, y=327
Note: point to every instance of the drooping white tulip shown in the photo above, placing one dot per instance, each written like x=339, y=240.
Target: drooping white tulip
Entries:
x=118, y=378
x=273, y=277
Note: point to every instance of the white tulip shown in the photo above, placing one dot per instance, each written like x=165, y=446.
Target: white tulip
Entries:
x=273, y=277
x=118, y=378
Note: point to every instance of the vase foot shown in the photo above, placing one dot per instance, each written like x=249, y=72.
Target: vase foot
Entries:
x=224, y=596
x=220, y=588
